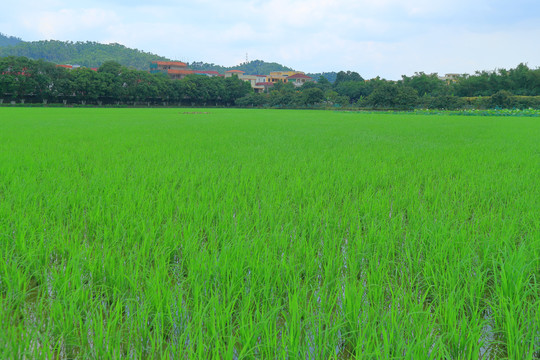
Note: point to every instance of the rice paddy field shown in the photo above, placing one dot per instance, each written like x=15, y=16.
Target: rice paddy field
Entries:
x=268, y=234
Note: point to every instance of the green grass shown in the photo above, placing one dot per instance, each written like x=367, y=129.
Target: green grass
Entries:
x=267, y=234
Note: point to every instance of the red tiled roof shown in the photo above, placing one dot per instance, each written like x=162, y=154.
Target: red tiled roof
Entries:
x=235, y=71
x=170, y=63
x=179, y=72
x=266, y=83
x=65, y=66
x=299, y=76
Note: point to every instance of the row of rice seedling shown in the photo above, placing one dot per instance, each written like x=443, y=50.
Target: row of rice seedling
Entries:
x=145, y=233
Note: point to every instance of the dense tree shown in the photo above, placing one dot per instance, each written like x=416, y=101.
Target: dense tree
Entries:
x=502, y=99
x=312, y=96
x=26, y=80
x=235, y=89
x=343, y=76
x=406, y=98
x=254, y=67
x=8, y=40
x=90, y=54
x=425, y=84
x=383, y=96
x=354, y=89
x=111, y=67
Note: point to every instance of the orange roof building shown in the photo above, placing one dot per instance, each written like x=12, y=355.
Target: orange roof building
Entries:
x=179, y=74
x=299, y=79
x=166, y=65
x=174, y=69
x=230, y=73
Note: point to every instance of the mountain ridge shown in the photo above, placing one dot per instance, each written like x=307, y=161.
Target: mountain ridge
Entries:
x=93, y=54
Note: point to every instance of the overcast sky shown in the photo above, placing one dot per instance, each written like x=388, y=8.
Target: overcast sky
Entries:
x=388, y=38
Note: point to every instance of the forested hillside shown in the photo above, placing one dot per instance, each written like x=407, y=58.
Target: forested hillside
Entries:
x=330, y=76
x=8, y=40
x=93, y=54
x=254, y=67
x=90, y=54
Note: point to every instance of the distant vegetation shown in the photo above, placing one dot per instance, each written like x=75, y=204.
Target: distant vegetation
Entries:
x=8, y=40
x=34, y=81
x=31, y=81
x=90, y=54
x=330, y=76
x=93, y=54
x=254, y=67
x=500, y=88
x=258, y=67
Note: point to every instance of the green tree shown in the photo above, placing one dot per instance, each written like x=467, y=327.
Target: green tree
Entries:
x=383, y=96
x=425, y=84
x=502, y=99
x=406, y=98
x=312, y=96
x=343, y=76
x=235, y=89
x=110, y=67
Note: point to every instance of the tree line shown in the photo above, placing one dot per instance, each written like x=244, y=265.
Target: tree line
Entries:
x=514, y=88
x=36, y=81
x=8, y=40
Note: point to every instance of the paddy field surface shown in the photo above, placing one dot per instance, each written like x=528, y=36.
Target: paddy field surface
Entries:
x=268, y=234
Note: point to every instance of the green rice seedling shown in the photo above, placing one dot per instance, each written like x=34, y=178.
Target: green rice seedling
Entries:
x=266, y=234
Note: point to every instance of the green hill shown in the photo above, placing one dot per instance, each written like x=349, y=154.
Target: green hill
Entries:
x=93, y=54
x=254, y=67
x=8, y=40
x=90, y=54
x=330, y=76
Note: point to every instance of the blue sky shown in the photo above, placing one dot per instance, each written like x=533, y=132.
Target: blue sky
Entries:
x=388, y=38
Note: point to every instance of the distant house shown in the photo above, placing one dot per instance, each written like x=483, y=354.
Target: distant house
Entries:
x=281, y=76
x=259, y=79
x=175, y=74
x=251, y=79
x=299, y=79
x=174, y=69
x=230, y=73
x=263, y=86
x=449, y=77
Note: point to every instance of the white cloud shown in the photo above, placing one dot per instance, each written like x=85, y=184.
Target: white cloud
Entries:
x=65, y=23
x=384, y=37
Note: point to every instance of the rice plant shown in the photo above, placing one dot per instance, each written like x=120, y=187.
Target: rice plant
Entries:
x=268, y=234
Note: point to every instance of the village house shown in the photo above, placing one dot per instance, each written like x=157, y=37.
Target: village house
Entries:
x=174, y=69
x=449, y=78
x=281, y=76
x=259, y=83
x=299, y=79
x=263, y=86
x=230, y=73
